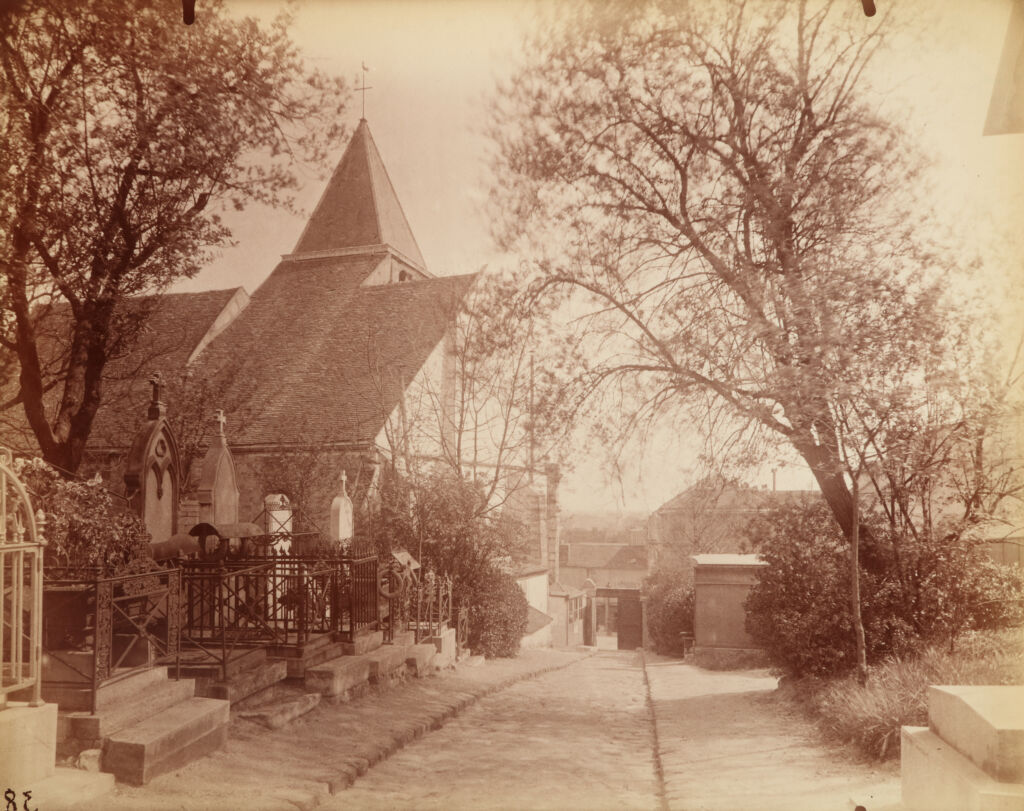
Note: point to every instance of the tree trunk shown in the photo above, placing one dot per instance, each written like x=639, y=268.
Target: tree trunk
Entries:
x=858, y=622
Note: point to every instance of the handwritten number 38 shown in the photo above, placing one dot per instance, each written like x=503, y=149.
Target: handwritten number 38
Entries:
x=12, y=800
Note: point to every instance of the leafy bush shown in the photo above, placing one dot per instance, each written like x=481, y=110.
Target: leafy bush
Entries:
x=869, y=717
x=913, y=593
x=498, y=615
x=85, y=526
x=670, y=609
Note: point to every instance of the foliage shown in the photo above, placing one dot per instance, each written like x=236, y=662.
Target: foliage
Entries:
x=498, y=616
x=869, y=716
x=85, y=526
x=670, y=609
x=125, y=135
x=446, y=522
x=912, y=594
x=711, y=190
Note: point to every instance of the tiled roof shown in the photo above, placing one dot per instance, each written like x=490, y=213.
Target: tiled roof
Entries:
x=607, y=556
x=315, y=357
x=737, y=499
x=175, y=326
x=359, y=207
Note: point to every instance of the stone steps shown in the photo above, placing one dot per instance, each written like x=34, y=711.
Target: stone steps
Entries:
x=338, y=676
x=167, y=740
x=420, y=658
x=985, y=724
x=128, y=708
x=936, y=777
x=971, y=755
x=244, y=684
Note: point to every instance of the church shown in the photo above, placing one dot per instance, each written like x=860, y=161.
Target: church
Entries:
x=337, y=362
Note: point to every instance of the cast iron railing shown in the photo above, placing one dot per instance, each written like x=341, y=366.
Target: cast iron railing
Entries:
x=102, y=629
x=276, y=599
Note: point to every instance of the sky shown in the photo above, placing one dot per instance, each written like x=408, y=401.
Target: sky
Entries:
x=433, y=64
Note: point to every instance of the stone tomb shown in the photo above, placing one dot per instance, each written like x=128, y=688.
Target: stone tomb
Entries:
x=341, y=526
x=721, y=584
x=152, y=472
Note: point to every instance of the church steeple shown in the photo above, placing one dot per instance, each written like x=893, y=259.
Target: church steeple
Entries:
x=359, y=211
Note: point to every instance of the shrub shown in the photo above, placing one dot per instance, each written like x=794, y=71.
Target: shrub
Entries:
x=869, y=717
x=670, y=609
x=85, y=527
x=913, y=593
x=498, y=615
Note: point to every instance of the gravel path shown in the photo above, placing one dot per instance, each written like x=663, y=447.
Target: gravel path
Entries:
x=579, y=737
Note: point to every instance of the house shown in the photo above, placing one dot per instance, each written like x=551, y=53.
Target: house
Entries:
x=325, y=368
x=710, y=517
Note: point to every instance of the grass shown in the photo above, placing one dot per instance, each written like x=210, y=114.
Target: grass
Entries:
x=869, y=717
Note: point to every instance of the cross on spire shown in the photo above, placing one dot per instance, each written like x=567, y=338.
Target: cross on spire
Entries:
x=362, y=88
x=221, y=421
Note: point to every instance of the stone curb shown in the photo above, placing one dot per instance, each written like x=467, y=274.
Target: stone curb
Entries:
x=436, y=717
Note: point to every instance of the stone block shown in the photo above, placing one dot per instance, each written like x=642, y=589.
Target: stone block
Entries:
x=28, y=744
x=89, y=760
x=935, y=777
x=167, y=740
x=336, y=677
x=364, y=643
x=421, y=658
x=279, y=714
x=404, y=638
x=446, y=646
x=984, y=723
x=385, y=661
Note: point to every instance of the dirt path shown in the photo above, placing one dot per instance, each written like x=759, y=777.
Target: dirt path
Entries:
x=727, y=741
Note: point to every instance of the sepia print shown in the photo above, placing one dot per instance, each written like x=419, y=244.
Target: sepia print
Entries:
x=518, y=404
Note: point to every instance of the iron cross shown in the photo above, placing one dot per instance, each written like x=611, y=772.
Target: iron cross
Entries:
x=363, y=88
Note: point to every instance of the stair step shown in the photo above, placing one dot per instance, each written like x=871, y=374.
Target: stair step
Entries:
x=197, y=664
x=167, y=740
x=364, y=642
x=130, y=688
x=386, y=660
x=113, y=717
x=935, y=777
x=983, y=723
x=336, y=677
x=244, y=684
x=421, y=658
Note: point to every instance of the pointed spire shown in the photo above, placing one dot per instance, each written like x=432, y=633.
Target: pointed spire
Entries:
x=359, y=208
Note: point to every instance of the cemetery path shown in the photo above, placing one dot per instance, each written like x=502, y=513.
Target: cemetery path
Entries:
x=601, y=731
x=728, y=741
x=578, y=737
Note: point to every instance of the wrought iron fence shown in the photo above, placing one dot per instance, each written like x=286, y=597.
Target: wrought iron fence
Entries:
x=21, y=587
x=276, y=599
x=433, y=606
x=99, y=630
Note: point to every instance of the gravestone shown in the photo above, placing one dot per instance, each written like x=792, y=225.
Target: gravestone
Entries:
x=218, y=489
x=278, y=512
x=341, y=527
x=152, y=471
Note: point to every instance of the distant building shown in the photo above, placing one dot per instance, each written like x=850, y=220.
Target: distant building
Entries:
x=710, y=519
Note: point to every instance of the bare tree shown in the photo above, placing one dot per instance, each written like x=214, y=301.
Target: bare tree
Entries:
x=709, y=187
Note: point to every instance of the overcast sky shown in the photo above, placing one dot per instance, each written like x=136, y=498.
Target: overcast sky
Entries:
x=432, y=66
